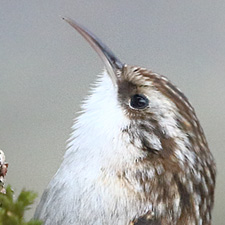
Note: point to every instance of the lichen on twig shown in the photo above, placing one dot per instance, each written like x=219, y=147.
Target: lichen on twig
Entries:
x=3, y=171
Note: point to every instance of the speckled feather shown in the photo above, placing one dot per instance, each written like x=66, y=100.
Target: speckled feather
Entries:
x=184, y=184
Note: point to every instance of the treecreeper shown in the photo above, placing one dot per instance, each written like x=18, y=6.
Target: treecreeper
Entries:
x=137, y=154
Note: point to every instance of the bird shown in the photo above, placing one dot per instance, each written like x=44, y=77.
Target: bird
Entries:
x=137, y=154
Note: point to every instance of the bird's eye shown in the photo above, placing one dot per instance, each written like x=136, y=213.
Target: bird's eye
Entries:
x=138, y=101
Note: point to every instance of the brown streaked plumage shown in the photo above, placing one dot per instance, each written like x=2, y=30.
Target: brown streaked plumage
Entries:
x=176, y=177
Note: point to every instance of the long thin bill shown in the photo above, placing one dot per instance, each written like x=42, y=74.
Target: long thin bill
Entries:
x=112, y=63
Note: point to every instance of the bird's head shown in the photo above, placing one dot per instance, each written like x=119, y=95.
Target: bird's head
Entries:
x=161, y=120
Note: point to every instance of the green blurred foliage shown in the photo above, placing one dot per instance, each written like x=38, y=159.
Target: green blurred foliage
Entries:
x=12, y=210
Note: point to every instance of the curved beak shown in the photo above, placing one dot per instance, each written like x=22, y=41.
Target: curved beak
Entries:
x=112, y=63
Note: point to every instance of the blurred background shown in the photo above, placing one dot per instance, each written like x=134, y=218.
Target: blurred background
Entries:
x=46, y=69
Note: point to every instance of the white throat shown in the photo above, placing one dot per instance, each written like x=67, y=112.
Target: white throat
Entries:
x=98, y=130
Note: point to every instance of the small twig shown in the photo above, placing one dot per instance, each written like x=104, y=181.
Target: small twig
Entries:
x=3, y=171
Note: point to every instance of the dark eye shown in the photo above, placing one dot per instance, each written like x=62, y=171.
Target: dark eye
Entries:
x=138, y=101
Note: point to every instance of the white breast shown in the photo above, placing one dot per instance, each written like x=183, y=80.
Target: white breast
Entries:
x=86, y=189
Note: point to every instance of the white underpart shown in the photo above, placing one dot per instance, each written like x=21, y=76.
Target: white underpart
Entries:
x=86, y=189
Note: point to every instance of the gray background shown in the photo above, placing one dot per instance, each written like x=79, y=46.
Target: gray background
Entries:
x=46, y=69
